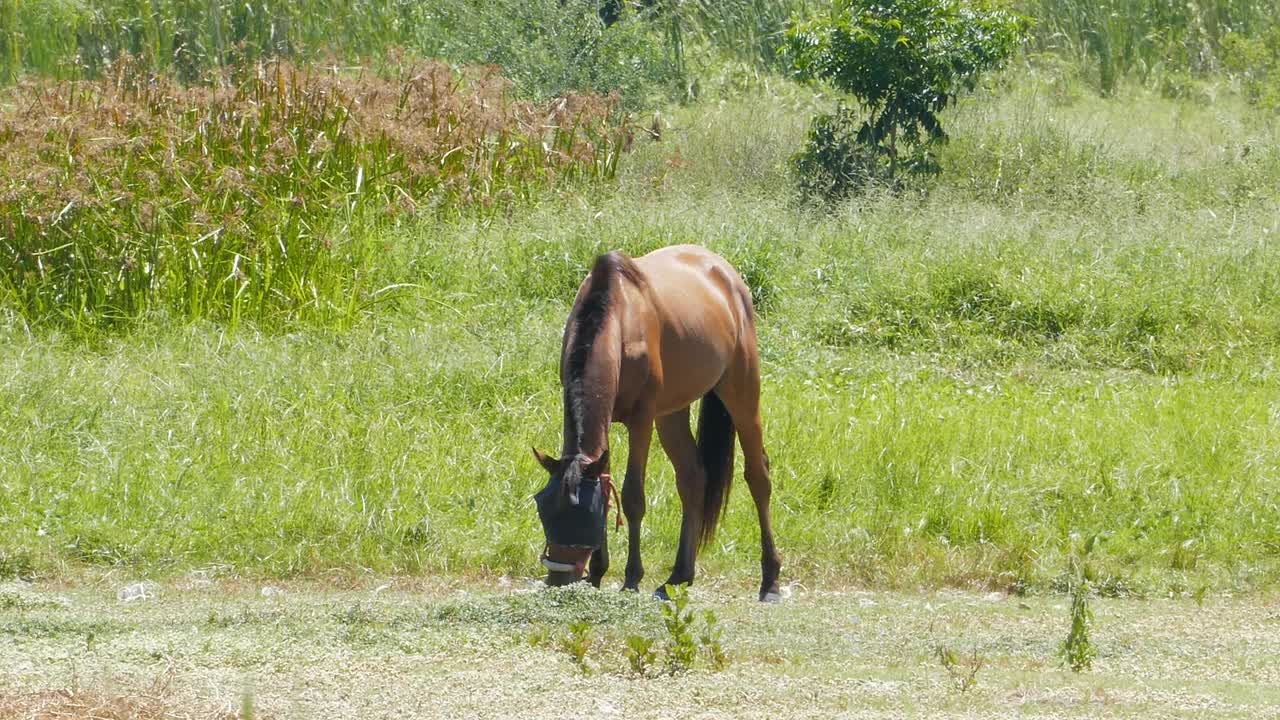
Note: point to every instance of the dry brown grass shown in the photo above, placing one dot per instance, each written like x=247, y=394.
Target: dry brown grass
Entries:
x=99, y=705
x=275, y=125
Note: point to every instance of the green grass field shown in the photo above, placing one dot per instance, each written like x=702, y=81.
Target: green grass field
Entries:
x=1072, y=332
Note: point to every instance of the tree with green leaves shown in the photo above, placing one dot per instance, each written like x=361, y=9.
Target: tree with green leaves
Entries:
x=904, y=61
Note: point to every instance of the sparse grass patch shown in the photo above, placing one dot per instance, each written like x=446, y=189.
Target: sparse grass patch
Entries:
x=17, y=597
x=860, y=651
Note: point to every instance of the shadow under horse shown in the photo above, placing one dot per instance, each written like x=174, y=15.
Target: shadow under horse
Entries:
x=646, y=339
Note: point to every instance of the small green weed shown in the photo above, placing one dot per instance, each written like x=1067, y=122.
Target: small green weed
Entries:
x=711, y=641
x=1078, y=650
x=678, y=619
x=1201, y=594
x=684, y=639
x=641, y=655
x=962, y=669
x=577, y=643
x=539, y=636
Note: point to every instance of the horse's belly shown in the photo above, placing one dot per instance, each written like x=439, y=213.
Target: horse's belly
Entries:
x=689, y=371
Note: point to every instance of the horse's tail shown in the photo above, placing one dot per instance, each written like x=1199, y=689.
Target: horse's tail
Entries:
x=715, y=451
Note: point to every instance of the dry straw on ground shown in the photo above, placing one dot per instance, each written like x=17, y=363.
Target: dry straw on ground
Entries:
x=97, y=705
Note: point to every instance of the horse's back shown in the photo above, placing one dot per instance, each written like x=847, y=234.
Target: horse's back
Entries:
x=693, y=279
x=700, y=311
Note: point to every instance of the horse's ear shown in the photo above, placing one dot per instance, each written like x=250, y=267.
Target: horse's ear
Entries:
x=550, y=463
x=599, y=467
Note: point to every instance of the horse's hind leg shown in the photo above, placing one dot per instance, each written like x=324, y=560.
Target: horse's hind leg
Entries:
x=740, y=393
x=750, y=434
x=691, y=480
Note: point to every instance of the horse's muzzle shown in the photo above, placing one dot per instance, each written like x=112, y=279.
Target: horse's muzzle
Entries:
x=565, y=565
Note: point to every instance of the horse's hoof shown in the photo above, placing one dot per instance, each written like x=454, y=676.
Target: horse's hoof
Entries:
x=772, y=597
x=661, y=594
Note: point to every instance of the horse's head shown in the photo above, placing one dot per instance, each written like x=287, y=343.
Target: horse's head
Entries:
x=572, y=506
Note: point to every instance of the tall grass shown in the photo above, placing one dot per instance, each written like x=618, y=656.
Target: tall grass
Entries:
x=658, y=49
x=749, y=30
x=1115, y=38
x=548, y=47
x=70, y=38
x=257, y=198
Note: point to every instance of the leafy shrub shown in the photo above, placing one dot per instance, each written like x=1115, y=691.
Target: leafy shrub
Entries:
x=904, y=60
x=1255, y=61
x=833, y=163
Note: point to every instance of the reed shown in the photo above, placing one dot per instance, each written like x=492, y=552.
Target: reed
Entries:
x=1115, y=38
x=259, y=196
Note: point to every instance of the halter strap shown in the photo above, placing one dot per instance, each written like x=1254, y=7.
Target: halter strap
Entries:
x=611, y=493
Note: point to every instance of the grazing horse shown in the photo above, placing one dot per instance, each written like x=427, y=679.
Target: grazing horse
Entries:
x=645, y=339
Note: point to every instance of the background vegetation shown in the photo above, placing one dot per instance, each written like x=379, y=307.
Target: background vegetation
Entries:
x=263, y=196
x=1070, y=333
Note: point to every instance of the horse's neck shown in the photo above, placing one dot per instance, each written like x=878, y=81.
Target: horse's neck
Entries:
x=587, y=417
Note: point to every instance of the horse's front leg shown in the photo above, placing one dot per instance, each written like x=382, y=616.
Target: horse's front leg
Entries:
x=639, y=434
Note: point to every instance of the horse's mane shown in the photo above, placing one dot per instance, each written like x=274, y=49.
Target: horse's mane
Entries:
x=585, y=322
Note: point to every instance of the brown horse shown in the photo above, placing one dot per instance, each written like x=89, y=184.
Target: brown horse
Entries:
x=645, y=339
